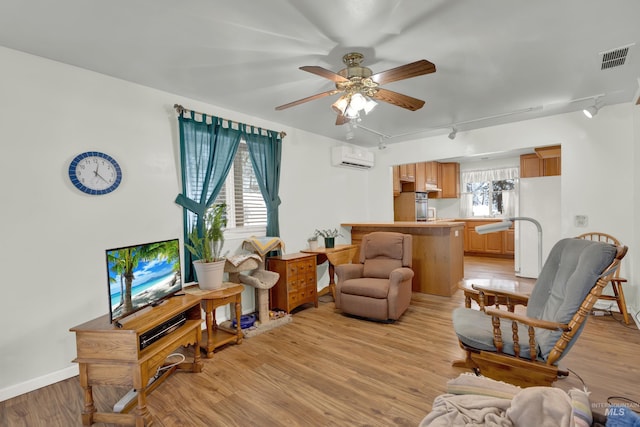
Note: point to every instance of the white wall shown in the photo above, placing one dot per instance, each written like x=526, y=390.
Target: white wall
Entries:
x=54, y=237
x=54, y=275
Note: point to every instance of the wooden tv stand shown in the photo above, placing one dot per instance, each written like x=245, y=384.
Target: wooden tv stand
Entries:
x=111, y=355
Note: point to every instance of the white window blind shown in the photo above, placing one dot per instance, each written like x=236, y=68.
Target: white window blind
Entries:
x=241, y=193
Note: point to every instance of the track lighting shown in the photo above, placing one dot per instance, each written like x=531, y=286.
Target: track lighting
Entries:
x=453, y=133
x=590, y=112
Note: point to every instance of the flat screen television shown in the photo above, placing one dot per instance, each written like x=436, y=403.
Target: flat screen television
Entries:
x=142, y=275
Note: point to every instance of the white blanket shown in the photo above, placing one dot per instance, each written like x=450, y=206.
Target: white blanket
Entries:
x=534, y=406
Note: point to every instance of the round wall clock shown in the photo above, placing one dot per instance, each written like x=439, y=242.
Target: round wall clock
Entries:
x=95, y=173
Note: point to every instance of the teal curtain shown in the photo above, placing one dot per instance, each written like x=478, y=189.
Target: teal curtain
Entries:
x=207, y=149
x=266, y=154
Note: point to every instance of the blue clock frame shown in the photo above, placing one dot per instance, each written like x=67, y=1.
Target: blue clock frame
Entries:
x=92, y=191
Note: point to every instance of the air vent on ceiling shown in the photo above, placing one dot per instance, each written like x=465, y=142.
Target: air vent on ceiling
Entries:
x=615, y=57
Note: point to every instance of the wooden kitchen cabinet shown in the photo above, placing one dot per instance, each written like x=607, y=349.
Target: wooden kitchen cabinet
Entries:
x=297, y=284
x=530, y=166
x=421, y=177
x=408, y=172
x=500, y=244
x=397, y=187
x=551, y=167
x=449, y=180
x=415, y=177
x=431, y=173
x=546, y=161
x=509, y=243
x=491, y=243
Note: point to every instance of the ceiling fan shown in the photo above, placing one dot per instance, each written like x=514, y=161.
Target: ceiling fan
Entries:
x=360, y=87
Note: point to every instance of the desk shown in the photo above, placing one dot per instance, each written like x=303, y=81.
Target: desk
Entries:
x=230, y=293
x=341, y=254
x=519, y=292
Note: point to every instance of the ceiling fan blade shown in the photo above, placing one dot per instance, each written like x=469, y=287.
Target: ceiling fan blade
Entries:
x=341, y=119
x=307, y=99
x=398, y=99
x=402, y=72
x=323, y=72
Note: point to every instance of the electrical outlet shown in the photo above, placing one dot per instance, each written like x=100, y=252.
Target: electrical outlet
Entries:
x=581, y=220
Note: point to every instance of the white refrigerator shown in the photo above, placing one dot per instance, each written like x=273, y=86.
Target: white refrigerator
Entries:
x=539, y=198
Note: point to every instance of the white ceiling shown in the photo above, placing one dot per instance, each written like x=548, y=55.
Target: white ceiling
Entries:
x=497, y=60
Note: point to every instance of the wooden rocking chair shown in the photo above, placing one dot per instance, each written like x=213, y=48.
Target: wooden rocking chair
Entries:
x=616, y=280
x=525, y=349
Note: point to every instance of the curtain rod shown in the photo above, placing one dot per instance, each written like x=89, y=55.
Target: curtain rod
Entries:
x=181, y=110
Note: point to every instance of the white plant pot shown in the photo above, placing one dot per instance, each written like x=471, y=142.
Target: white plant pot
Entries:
x=209, y=274
x=313, y=245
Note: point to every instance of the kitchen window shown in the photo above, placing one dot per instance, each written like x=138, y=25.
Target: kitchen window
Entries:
x=489, y=193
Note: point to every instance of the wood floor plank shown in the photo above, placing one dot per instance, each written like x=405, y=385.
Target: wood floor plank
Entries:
x=328, y=369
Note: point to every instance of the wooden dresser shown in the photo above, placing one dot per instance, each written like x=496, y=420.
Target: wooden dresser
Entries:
x=297, y=284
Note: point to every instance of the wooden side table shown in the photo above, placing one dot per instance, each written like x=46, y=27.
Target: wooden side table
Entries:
x=230, y=293
x=341, y=254
x=518, y=291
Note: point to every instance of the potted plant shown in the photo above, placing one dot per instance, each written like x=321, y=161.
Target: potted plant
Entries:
x=329, y=237
x=206, y=246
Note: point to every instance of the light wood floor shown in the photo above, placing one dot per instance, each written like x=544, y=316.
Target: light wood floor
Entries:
x=326, y=369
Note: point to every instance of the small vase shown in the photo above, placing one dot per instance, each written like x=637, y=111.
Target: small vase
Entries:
x=313, y=245
x=329, y=242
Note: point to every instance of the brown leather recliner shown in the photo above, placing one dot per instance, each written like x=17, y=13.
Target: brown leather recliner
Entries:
x=379, y=286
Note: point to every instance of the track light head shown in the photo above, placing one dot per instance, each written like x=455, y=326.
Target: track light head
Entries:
x=453, y=133
x=590, y=112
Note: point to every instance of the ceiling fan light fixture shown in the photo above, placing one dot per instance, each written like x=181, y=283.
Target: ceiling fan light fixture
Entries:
x=369, y=105
x=340, y=106
x=359, y=84
x=357, y=101
x=351, y=113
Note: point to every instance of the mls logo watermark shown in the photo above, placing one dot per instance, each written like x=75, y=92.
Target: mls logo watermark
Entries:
x=615, y=411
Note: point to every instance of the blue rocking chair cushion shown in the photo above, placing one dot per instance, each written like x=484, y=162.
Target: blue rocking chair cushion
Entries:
x=474, y=329
x=569, y=273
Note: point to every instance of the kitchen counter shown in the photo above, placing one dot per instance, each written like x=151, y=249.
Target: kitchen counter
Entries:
x=405, y=224
x=438, y=251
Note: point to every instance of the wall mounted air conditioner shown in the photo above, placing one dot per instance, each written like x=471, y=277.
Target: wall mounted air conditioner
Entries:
x=351, y=157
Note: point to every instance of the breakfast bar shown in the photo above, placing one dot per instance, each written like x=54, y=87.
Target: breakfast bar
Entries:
x=438, y=251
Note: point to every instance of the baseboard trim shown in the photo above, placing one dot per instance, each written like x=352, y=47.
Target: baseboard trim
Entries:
x=36, y=383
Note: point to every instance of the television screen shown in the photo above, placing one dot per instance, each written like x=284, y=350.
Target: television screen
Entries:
x=142, y=275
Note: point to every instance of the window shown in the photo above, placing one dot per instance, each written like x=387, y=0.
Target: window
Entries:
x=489, y=192
x=487, y=196
x=241, y=192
